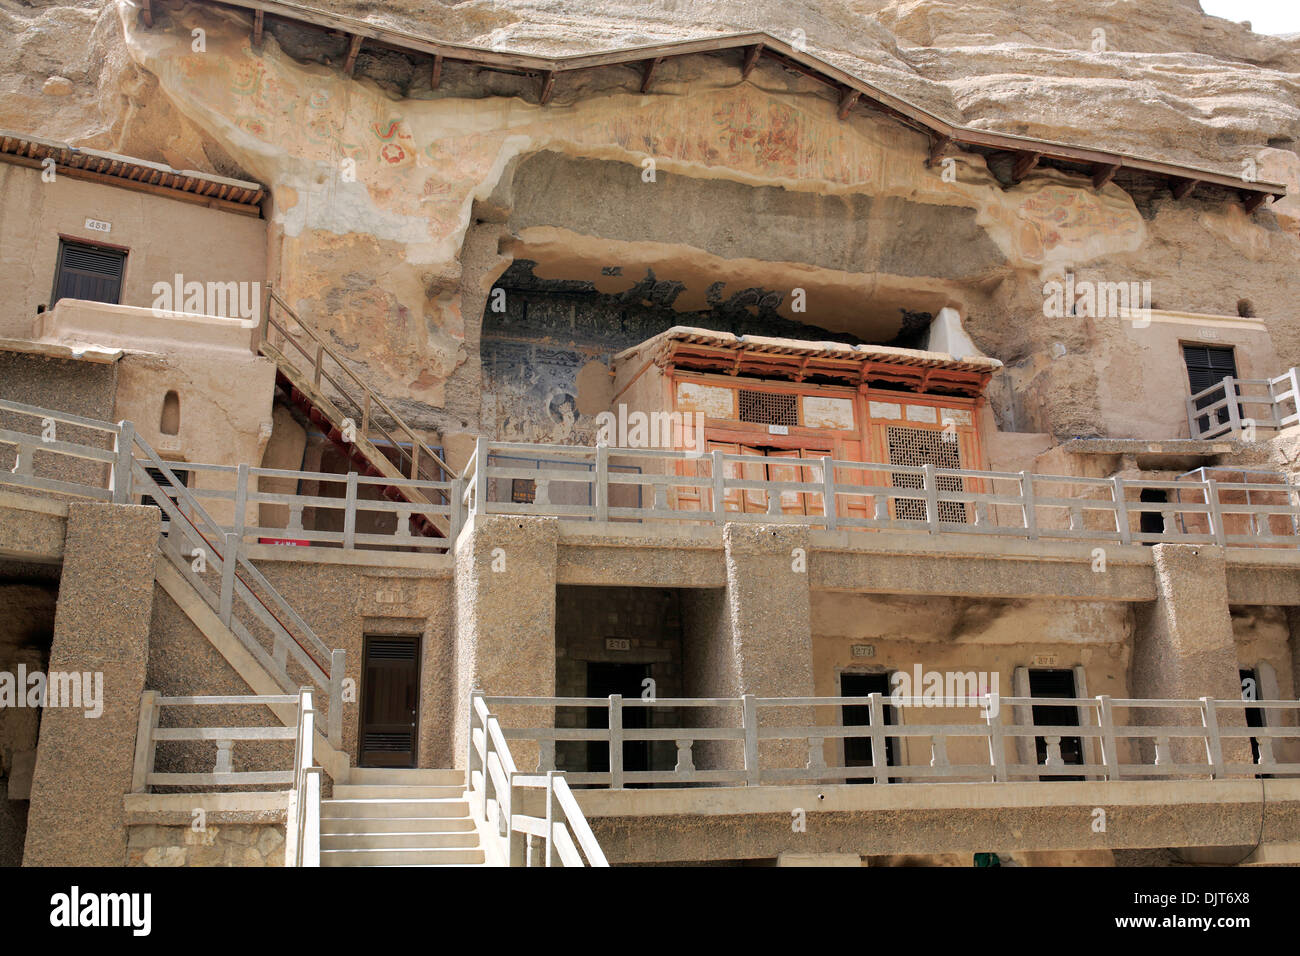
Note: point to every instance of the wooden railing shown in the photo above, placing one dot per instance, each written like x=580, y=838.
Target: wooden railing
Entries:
x=150, y=734
x=195, y=544
x=658, y=485
x=304, y=834
x=497, y=789
x=803, y=736
x=1241, y=405
x=348, y=510
x=306, y=351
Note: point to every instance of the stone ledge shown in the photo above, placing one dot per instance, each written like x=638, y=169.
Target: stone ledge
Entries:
x=177, y=809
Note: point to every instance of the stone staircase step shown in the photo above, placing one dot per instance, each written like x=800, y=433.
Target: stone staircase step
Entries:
x=370, y=807
x=400, y=857
x=465, y=839
x=386, y=776
x=362, y=791
x=333, y=825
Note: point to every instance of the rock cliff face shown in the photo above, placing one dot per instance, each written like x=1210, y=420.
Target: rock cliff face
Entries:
x=396, y=207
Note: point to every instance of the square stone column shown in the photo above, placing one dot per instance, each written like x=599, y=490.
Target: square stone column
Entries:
x=768, y=605
x=505, y=621
x=101, y=631
x=1184, y=646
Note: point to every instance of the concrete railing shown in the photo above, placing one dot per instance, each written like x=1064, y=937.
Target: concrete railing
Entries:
x=1237, y=406
x=497, y=789
x=303, y=830
x=581, y=483
x=270, y=628
x=800, y=739
x=150, y=734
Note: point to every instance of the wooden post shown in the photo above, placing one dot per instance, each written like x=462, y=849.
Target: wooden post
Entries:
x=241, y=502
x=1031, y=514
x=600, y=493
x=122, y=467
x=229, y=558
x=1215, y=513
x=1109, y=752
x=1213, y=745
x=338, y=669
x=879, y=748
x=350, y=514
x=828, y=493
x=1234, y=410
x=1121, y=510
x=616, y=741
x=719, y=489
x=550, y=816
x=144, y=746
x=997, y=745
x=481, y=475
x=931, y=497
x=749, y=721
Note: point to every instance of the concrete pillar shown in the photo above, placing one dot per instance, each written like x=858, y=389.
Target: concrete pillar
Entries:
x=101, y=627
x=768, y=604
x=505, y=621
x=1184, y=646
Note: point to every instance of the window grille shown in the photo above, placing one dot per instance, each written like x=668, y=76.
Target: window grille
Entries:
x=768, y=408
x=918, y=447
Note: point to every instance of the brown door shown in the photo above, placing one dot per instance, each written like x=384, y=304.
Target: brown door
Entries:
x=388, y=701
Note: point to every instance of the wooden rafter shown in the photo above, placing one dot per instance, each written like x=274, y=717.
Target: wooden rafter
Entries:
x=847, y=99
x=436, y=76
x=1025, y=163
x=751, y=60
x=1103, y=173
x=258, y=17
x=648, y=72
x=938, y=146
x=548, y=87
x=354, y=47
x=146, y=12
x=1252, y=201
x=1183, y=188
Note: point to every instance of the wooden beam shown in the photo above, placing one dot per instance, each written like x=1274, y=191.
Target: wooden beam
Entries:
x=1025, y=162
x=938, y=146
x=436, y=76
x=751, y=60
x=354, y=47
x=548, y=87
x=1183, y=188
x=258, y=17
x=1103, y=173
x=1252, y=201
x=648, y=73
x=847, y=99
x=146, y=12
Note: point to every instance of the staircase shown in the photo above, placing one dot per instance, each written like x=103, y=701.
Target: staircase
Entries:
x=308, y=373
x=399, y=818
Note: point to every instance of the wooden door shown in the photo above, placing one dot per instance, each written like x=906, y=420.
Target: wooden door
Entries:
x=389, y=701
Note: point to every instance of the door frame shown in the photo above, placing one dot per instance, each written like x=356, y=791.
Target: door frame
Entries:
x=418, y=639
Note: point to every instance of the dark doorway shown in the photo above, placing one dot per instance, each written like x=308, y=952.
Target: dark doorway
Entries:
x=603, y=680
x=857, y=750
x=1152, y=522
x=389, y=696
x=1207, y=366
x=1056, y=683
x=1254, y=715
